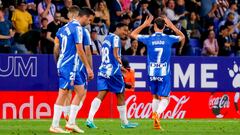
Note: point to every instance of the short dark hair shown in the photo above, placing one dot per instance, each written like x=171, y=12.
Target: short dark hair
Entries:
x=74, y=9
x=144, y=2
x=159, y=22
x=20, y=2
x=124, y=17
x=120, y=25
x=228, y=23
x=132, y=39
x=86, y=11
x=44, y=19
x=223, y=27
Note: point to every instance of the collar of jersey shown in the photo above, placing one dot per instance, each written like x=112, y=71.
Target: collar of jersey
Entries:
x=159, y=32
x=75, y=21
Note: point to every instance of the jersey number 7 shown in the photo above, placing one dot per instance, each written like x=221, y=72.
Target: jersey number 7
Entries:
x=160, y=51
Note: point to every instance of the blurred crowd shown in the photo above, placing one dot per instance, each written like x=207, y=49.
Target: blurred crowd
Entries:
x=211, y=27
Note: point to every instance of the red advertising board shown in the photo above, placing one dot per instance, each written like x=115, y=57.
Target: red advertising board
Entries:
x=36, y=105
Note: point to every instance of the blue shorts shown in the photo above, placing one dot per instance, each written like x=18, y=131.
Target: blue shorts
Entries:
x=160, y=86
x=65, y=77
x=113, y=84
x=81, y=78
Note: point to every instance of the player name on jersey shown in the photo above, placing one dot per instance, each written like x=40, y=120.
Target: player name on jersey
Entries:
x=158, y=42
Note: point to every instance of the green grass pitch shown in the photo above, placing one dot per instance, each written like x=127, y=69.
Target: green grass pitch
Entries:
x=112, y=127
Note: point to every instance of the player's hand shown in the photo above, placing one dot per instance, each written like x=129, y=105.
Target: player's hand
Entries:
x=90, y=74
x=169, y=24
x=148, y=21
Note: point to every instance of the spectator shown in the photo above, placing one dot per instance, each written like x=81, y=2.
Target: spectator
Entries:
x=193, y=6
x=170, y=13
x=101, y=28
x=21, y=19
x=102, y=12
x=128, y=75
x=193, y=28
x=157, y=7
x=124, y=43
x=126, y=5
x=46, y=9
x=210, y=45
x=208, y=7
x=6, y=33
x=116, y=12
x=126, y=19
x=230, y=18
x=209, y=27
x=238, y=45
x=233, y=9
x=224, y=45
x=64, y=11
x=222, y=6
x=85, y=3
x=140, y=15
x=134, y=49
x=52, y=30
x=9, y=12
x=180, y=7
x=234, y=39
x=43, y=36
x=96, y=45
x=31, y=8
x=134, y=5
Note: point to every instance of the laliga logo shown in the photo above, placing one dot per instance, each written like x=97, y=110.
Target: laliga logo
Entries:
x=142, y=110
x=235, y=74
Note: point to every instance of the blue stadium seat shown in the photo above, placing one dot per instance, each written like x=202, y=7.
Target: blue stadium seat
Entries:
x=173, y=51
x=194, y=42
x=196, y=46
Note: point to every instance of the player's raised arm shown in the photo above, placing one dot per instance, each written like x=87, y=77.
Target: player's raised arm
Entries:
x=56, y=49
x=146, y=23
x=174, y=28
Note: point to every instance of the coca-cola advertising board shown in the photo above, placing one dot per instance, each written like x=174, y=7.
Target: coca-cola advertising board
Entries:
x=203, y=87
x=37, y=105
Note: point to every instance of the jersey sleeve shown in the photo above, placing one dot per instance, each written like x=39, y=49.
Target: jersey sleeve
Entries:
x=116, y=42
x=78, y=35
x=86, y=37
x=143, y=38
x=173, y=39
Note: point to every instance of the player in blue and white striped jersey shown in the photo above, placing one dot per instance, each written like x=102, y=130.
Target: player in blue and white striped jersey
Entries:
x=158, y=61
x=110, y=77
x=81, y=74
x=69, y=42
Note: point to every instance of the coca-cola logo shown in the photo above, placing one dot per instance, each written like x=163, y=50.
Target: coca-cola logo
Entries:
x=219, y=102
x=144, y=110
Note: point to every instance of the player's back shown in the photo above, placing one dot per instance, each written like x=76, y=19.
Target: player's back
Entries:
x=67, y=39
x=159, y=52
x=110, y=65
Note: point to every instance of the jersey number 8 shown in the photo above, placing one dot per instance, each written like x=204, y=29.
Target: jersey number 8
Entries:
x=105, y=55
